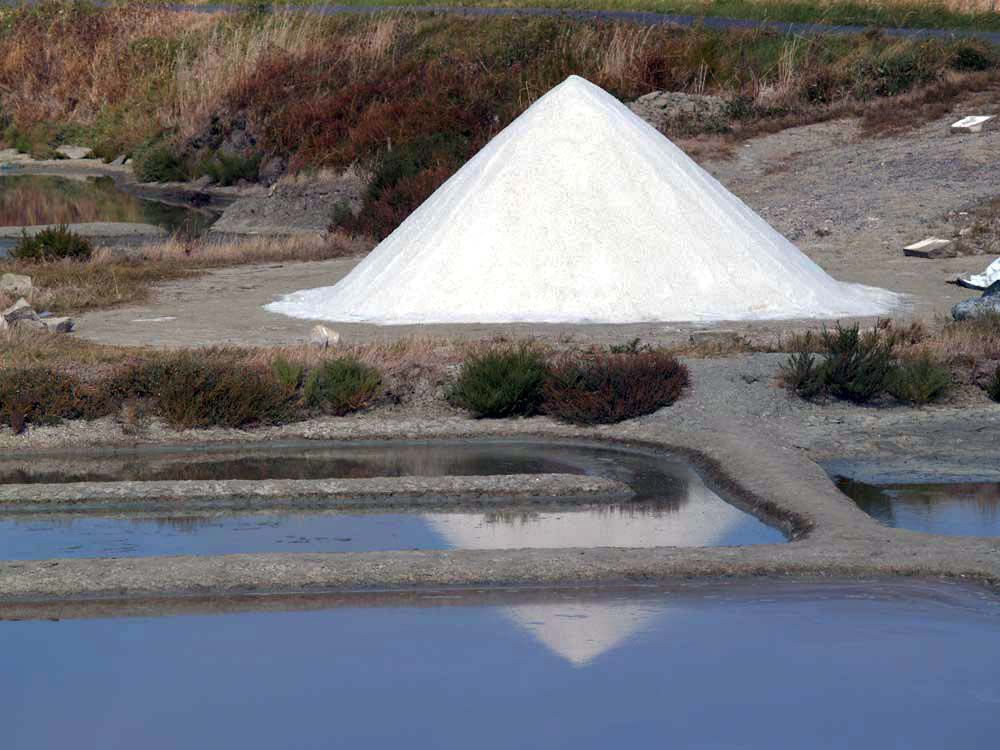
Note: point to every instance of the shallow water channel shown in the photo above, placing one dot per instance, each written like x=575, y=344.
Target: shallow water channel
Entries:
x=948, y=508
x=672, y=506
x=721, y=665
x=29, y=200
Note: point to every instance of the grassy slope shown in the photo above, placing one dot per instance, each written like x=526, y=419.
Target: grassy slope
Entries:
x=982, y=15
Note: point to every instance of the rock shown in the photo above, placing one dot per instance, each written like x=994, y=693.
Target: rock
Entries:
x=202, y=182
x=33, y=324
x=977, y=307
x=75, y=152
x=119, y=161
x=15, y=283
x=323, y=337
x=672, y=108
x=932, y=247
x=295, y=205
x=59, y=325
x=20, y=310
x=272, y=170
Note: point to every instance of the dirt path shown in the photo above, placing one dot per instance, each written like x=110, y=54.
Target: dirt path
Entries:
x=867, y=198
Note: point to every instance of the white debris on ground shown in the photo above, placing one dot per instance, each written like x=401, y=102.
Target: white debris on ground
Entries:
x=971, y=124
x=982, y=280
x=581, y=212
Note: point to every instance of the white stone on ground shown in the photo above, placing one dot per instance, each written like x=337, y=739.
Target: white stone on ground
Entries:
x=581, y=212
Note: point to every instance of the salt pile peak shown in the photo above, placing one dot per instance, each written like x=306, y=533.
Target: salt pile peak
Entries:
x=579, y=211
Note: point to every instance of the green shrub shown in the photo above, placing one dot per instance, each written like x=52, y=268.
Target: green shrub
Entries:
x=919, y=380
x=228, y=169
x=857, y=365
x=504, y=381
x=632, y=346
x=804, y=375
x=192, y=391
x=341, y=386
x=40, y=395
x=993, y=386
x=56, y=243
x=157, y=162
x=289, y=374
x=605, y=388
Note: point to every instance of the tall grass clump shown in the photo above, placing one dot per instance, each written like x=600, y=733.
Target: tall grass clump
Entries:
x=341, y=386
x=504, y=381
x=603, y=388
x=55, y=243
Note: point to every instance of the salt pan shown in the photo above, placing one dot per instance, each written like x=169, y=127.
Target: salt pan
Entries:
x=581, y=212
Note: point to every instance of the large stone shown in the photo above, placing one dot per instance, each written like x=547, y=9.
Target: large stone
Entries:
x=74, y=152
x=323, y=337
x=32, y=324
x=978, y=307
x=15, y=283
x=20, y=310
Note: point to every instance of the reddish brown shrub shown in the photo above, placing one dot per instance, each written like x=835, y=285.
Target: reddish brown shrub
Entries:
x=602, y=388
x=39, y=395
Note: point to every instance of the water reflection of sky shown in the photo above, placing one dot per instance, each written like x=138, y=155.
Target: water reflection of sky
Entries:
x=761, y=671
x=672, y=505
x=953, y=509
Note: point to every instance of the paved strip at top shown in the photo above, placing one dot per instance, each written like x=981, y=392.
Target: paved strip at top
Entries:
x=643, y=18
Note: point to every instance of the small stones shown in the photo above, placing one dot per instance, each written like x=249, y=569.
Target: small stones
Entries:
x=22, y=316
x=16, y=284
x=59, y=325
x=323, y=337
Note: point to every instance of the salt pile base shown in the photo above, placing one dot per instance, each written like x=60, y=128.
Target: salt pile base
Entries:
x=581, y=212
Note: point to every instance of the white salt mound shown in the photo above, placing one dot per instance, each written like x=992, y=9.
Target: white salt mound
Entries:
x=581, y=212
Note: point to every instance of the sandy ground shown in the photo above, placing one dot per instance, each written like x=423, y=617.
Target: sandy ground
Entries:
x=867, y=198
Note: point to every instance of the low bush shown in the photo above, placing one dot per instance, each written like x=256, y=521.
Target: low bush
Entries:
x=341, y=386
x=228, y=169
x=157, y=162
x=40, y=395
x=993, y=386
x=191, y=391
x=601, y=388
x=56, y=243
x=502, y=382
x=919, y=380
x=858, y=365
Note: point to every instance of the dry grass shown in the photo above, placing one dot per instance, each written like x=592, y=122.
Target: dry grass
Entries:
x=108, y=280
